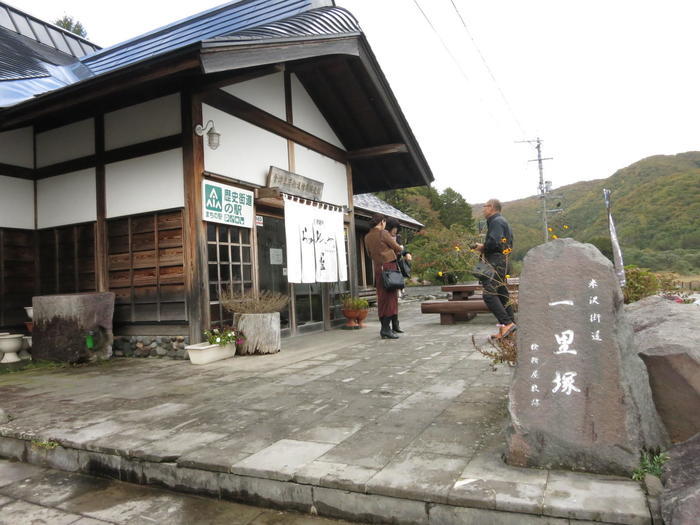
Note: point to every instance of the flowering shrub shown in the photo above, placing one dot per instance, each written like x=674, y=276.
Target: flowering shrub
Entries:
x=223, y=336
x=640, y=283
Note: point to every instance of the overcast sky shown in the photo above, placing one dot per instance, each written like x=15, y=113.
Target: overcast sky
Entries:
x=603, y=83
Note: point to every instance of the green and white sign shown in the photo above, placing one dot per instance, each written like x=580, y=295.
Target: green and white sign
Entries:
x=227, y=205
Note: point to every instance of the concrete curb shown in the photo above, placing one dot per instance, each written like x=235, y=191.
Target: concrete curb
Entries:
x=488, y=502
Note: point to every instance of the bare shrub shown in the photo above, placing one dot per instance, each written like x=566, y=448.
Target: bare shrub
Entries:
x=251, y=303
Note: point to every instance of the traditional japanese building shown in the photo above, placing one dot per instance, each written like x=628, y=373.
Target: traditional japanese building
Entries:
x=169, y=167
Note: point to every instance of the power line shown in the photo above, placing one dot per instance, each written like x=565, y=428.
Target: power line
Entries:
x=493, y=77
x=454, y=59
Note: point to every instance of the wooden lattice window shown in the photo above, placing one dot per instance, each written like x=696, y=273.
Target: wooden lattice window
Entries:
x=16, y=275
x=146, y=267
x=67, y=259
x=230, y=265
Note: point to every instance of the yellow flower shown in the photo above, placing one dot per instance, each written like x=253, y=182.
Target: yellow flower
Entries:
x=566, y=227
x=549, y=229
x=507, y=251
x=554, y=237
x=458, y=249
x=439, y=274
x=504, y=239
x=507, y=276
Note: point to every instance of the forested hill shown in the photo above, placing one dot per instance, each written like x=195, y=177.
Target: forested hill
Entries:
x=656, y=207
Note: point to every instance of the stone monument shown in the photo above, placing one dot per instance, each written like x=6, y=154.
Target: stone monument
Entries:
x=73, y=328
x=580, y=397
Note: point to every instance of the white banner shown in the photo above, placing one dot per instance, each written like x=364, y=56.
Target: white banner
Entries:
x=315, y=243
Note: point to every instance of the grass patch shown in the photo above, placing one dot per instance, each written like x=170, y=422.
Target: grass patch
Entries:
x=651, y=462
x=31, y=365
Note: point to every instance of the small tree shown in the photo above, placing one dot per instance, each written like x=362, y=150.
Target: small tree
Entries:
x=70, y=24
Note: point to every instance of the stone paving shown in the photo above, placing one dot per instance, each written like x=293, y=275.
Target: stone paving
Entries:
x=36, y=495
x=339, y=423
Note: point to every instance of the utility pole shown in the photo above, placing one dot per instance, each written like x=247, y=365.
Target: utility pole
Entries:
x=545, y=187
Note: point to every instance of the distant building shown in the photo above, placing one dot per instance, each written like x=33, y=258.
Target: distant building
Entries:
x=105, y=184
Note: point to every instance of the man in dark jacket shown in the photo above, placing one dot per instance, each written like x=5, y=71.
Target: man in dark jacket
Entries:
x=496, y=249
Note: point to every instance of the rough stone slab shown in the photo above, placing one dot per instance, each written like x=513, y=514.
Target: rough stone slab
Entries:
x=449, y=515
x=11, y=472
x=370, y=449
x=368, y=508
x=51, y=487
x=418, y=475
x=266, y=492
x=680, y=501
x=335, y=475
x=329, y=432
x=181, y=479
x=23, y=512
x=171, y=448
x=667, y=339
x=580, y=398
x=582, y=497
x=281, y=460
x=60, y=457
x=62, y=322
x=217, y=457
x=12, y=448
x=4, y=500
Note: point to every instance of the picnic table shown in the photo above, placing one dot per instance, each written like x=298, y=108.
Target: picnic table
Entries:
x=464, y=302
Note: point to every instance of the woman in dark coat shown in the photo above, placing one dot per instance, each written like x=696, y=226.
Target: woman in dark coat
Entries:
x=392, y=226
x=383, y=249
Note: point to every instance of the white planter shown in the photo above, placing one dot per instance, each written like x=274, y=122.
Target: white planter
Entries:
x=10, y=344
x=30, y=311
x=203, y=353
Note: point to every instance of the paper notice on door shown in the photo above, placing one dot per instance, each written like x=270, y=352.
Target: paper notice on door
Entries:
x=276, y=256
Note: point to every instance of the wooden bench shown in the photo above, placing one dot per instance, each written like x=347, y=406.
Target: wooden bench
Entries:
x=370, y=294
x=453, y=311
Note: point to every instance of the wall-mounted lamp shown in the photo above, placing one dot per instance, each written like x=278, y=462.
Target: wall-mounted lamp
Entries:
x=213, y=137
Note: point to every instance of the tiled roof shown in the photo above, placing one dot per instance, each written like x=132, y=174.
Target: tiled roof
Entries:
x=47, y=34
x=223, y=20
x=372, y=203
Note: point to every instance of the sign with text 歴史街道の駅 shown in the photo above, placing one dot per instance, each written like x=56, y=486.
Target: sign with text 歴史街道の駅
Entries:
x=227, y=204
x=294, y=184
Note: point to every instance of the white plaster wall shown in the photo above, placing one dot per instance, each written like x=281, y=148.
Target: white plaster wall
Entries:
x=246, y=151
x=16, y=203
x=17, y=147
x=308, y=117
x=266, y=93
x=66, y=199
x=144, y=184
x=65, y=143
x=149, y=120
x=321, y=168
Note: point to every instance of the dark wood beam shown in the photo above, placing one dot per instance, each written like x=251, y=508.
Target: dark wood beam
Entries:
x=245, y=111
x=377, y=151
x=66, y=167
x=101, y=259
x=226, y=78
x=195, y=242
x=19, y=172
x=144, y=148
x=107, y=157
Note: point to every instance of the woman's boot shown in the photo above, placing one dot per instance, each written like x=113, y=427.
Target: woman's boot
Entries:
x=386, y=332
x=395, y=324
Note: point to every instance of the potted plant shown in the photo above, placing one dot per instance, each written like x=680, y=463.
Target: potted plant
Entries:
x=257, y=317
x=220, y=344
x=355, y=311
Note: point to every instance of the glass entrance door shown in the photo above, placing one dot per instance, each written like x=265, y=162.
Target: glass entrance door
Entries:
x=272, y=261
